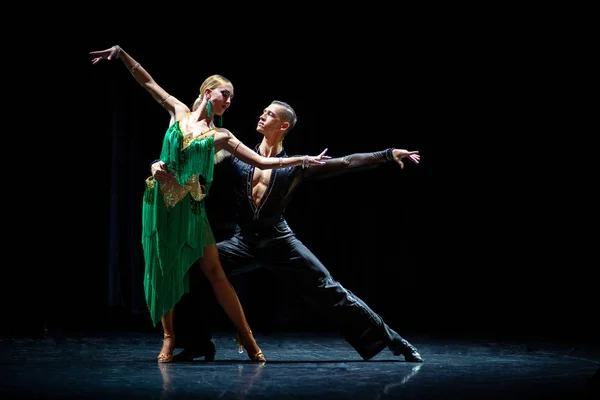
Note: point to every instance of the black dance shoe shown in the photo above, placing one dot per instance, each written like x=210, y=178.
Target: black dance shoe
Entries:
x=208, y=351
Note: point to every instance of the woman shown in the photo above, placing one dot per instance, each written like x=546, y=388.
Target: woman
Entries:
x=175, y=229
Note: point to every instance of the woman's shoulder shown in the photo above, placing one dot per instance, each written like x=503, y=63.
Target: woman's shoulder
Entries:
x=183, y=116
x=224, y=131
x=177, y=121
x=223, y=134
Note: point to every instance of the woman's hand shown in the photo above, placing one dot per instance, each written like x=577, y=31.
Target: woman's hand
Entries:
x=107, y=54
x=315, y=160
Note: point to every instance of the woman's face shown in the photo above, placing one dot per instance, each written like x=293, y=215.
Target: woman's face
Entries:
x=220, y=98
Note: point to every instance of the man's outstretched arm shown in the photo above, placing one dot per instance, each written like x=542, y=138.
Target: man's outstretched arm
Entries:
x=361, y=162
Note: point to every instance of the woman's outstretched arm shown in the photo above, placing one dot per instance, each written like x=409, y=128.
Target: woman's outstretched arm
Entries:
x=175, y=107
x=224, y=139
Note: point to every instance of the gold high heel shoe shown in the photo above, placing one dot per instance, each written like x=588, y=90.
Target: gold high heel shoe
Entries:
x=165, y=357
x=259, y=356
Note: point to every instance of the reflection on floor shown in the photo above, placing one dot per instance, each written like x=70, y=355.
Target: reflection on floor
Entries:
x=299, y=366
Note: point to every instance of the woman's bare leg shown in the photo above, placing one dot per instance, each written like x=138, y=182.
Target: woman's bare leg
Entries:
x=227, y=298
x=166, y=352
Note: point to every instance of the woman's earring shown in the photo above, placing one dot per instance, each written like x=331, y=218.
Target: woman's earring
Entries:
x=208, y=106
x=219, y=121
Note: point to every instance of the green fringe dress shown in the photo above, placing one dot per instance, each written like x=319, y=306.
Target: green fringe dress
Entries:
x=175, y=228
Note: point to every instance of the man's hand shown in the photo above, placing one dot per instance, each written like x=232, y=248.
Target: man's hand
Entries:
x=399, y=154
x=160, y=173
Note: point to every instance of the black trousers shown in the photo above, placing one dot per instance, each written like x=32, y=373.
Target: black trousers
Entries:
x=277, y=249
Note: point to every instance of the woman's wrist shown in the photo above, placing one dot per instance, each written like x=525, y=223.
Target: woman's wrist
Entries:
x=293, y=161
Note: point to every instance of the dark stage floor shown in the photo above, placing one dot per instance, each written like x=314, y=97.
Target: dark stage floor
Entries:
x=300, y=366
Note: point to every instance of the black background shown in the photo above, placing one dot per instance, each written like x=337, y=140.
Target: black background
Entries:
x=428, y=247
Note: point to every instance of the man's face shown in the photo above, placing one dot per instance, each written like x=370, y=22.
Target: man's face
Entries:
x=270, y=121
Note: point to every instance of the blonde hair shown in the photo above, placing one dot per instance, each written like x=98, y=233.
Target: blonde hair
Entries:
x=211, y=82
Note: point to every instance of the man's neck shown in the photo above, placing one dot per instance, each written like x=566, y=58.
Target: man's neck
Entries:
x=270, y=148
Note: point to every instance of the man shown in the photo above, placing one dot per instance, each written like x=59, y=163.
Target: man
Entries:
x=262, y=236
